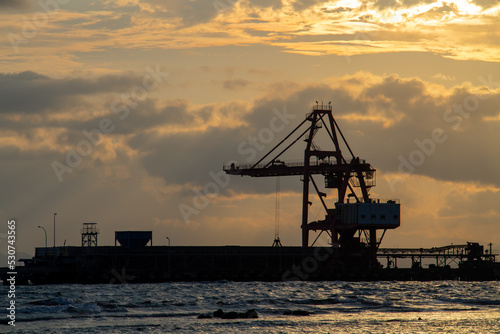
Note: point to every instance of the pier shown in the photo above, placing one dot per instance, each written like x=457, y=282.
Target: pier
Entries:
x=147, y=264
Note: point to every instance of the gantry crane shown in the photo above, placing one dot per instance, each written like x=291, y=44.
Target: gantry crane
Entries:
x=353, y=211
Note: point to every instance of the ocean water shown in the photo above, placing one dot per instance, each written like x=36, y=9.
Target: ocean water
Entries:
x=334, y=307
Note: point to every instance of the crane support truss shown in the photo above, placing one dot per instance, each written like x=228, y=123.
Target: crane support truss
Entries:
x=344, y=174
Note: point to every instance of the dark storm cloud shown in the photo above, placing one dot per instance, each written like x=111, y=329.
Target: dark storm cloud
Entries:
x=30, y=92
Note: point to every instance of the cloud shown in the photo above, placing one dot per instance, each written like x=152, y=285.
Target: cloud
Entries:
x=235, y=84
x=486, y=3
x=385, y=4
x=189, y=12
x=169, y=150
x=310, y=28
x=371, y=117
x=336, y=10
x=29, y=92
x=471, y=203
x=372, y=111
x=411, y=3
x=174, y=138
x=444, y=77
x=305, y=4
x=436, y=213
x=440, y=12
x=15, y=4
x=274, y=4
x=107, y=22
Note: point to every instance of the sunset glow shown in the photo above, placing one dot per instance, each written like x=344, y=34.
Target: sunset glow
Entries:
x=143, y=102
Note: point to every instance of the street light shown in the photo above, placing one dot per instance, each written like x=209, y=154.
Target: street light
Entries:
x=55, y=214
x=45, y=238
x=45, y=235
x=168, y=254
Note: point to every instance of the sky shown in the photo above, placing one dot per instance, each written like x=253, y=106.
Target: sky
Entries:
x=123, y=112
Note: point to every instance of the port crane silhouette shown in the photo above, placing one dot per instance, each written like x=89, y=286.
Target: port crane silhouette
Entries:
x=353, y=221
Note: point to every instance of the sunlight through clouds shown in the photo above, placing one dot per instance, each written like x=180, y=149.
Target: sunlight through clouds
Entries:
x=342, y=28
x=394, y=70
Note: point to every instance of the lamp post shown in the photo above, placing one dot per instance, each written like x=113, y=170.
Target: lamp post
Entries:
x=168, y=254
x=45, y=239
x=55, y=214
